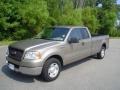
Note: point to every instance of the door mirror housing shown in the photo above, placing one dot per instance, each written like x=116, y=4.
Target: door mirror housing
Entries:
x=73, y=40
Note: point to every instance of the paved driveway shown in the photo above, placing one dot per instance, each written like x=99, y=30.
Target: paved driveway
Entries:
x=88, y=74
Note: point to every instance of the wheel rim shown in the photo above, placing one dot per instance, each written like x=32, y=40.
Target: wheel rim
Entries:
x=102, y=52
x=53, y=70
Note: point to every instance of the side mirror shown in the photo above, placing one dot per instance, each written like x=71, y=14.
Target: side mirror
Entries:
x=73, y=40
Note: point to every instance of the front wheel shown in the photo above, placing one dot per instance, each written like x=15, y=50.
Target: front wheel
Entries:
x=101, y=54
x=51, y=69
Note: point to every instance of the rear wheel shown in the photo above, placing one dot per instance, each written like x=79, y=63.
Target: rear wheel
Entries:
x=51, y=69
x=101, y=54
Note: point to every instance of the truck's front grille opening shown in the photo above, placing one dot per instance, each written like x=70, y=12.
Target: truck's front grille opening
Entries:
x=15, y=53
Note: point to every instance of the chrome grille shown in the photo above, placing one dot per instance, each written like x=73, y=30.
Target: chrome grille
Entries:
x=15, y=53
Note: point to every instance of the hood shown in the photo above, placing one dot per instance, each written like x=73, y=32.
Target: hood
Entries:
x=32, y=43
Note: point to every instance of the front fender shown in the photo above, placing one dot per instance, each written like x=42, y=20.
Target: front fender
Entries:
x=51, y=52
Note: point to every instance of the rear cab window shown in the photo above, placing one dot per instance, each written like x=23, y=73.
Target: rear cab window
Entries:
x=75, y=33
x=84, y=33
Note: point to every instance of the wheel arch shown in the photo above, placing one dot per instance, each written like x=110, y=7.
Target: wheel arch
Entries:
x=57, y=57
x=104, y=45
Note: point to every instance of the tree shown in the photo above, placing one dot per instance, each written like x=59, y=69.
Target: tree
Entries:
x=22, y=19
x=89, y=19
x=78, y=3
x=90, y=3
x=107, y=16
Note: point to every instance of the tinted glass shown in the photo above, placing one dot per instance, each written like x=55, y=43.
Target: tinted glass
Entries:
x=75, y=33
x=57, y=34
x=84, y=33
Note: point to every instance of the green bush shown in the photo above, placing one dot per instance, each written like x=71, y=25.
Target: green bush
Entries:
x=18, y=17
x=20, y=34
x=64, y=14
x=21, y=19
x=71, y=18
x=114, y=33
x=107, y=22
x=89, y=18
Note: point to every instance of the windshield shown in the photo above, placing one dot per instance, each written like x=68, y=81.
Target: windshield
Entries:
x=57, y=34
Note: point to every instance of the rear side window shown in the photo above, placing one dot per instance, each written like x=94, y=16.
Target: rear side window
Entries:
x=84, y=33
x=75, y=33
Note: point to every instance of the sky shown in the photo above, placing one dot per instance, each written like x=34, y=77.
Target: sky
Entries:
x=118, y=1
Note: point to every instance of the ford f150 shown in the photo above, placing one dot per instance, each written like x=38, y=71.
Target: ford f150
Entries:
x=55, y=47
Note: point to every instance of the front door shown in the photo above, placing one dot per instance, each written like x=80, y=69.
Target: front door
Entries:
x=77, y=51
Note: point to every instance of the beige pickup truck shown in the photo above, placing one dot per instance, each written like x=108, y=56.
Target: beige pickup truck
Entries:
x=53, y=48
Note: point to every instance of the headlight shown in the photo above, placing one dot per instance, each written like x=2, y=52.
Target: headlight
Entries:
x=32, y=55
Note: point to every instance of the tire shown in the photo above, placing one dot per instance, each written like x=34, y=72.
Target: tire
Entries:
x=101, y=54
x=51, y=69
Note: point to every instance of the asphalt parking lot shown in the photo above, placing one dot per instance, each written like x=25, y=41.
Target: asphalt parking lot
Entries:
x=87, y=74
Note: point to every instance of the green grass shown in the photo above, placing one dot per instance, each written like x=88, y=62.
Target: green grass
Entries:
x=6, y=42
x=114, y=37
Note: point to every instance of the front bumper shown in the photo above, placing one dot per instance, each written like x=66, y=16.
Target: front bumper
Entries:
x=27, y=68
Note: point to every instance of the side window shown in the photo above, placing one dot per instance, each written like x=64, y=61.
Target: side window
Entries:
x=84, y=33
x=76, y=33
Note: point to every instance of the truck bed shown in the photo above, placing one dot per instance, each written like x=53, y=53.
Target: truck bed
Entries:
x=97, y=40
x=96, y=35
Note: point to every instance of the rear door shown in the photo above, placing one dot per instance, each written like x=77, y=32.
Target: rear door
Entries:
x=84, y=43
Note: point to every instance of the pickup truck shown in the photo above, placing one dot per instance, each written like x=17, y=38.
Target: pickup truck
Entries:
x=49, y=51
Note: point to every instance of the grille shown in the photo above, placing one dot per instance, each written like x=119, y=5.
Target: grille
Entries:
x=15, y=53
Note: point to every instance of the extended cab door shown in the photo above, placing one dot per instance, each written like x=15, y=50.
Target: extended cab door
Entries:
x=85, y=43
x=79, y=50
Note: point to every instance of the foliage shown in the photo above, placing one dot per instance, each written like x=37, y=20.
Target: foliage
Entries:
x=89, y=19
x=114, y=33
x=70, y=16
x=107, y=16
x=6, y=42
x=21, y=19
x=107, y=22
